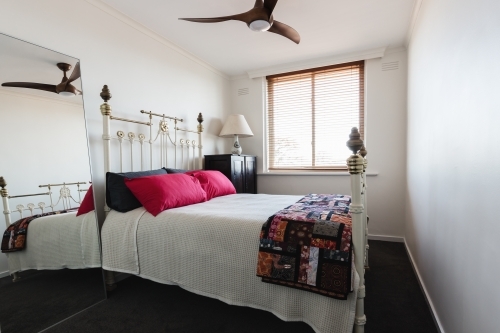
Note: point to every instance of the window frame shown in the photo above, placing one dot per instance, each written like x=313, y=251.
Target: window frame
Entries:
x=311, y=169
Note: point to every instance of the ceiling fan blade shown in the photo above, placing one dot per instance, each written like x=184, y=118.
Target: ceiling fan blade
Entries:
x=259, y=4
x=207, y=20
x=285, y=30
x=62, y=86
x=75, y=74
x=31, y=85
x=237, y=17
x=270, y=4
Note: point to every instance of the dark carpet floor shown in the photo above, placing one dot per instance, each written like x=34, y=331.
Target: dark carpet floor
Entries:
x=394, y=303
x=43, y=298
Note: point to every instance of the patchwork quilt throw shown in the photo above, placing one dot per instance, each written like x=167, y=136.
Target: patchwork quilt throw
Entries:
x=14, y=237
x=308, y=246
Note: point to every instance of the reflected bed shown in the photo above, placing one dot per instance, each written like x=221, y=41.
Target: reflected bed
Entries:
x=57, y=242
x=63, y=240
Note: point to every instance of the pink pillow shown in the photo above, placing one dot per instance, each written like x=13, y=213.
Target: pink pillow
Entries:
x=214, y=183
x=161, y=192
x=87, y=204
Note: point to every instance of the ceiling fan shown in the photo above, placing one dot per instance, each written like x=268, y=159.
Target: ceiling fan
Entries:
x=65, y=88
x=259, y=18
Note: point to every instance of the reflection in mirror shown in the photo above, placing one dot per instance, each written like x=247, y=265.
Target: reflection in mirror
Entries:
x=50, y=261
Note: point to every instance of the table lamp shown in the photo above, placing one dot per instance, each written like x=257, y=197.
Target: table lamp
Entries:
x=236, y=126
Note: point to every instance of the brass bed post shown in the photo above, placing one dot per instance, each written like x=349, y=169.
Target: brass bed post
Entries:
x=106, y=134
x=106, y=137
x=200, y=143
x=6, y=211
x=5, y=201
x=364, y=189
x=355, y=165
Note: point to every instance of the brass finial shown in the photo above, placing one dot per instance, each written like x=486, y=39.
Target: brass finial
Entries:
x=355, y=143
x=106, y=96
x=200, y=121
x=105, y=93
x=363, y=151
x=3, y=191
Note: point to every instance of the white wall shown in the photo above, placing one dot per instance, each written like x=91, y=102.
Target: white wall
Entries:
x=385, y=140
x=452, y=225
x=42, y=141
x=142, y=71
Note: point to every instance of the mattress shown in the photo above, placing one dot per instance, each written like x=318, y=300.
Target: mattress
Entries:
x=57, y=242
x=211, y=249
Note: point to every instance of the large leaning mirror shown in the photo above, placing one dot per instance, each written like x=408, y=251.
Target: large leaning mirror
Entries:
x=50, y=260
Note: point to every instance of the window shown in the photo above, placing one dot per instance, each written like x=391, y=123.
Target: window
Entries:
x=310, y=115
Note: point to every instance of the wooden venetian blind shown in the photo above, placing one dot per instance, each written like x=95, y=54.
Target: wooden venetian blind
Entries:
x=310, y=116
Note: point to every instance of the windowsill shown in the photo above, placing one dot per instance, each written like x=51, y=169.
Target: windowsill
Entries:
x=311, y=173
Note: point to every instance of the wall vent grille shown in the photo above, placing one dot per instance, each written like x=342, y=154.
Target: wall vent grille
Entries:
x=390, y=66
x=243, y=91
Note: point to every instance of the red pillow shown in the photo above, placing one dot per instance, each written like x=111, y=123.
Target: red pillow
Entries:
x=87, y=204
x=214, y=183
x=161, y=192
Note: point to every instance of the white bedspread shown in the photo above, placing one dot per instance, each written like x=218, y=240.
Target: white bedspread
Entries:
x=59, y=241
x=211, y=249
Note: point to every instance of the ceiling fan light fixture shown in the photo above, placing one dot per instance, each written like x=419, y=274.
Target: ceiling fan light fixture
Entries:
x=259, y=25
x=67, y=94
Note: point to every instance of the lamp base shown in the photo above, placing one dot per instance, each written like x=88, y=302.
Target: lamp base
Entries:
x=236, y=150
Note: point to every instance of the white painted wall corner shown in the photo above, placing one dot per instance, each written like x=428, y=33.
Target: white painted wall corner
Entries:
x=424, y=289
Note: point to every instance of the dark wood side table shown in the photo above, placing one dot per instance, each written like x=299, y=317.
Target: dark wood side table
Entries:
x=241, y=170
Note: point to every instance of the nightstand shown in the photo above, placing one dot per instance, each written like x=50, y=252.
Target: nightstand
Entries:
x=241, y=170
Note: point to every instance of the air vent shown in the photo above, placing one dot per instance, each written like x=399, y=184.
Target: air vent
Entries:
x=243, y=91
x=390, y=66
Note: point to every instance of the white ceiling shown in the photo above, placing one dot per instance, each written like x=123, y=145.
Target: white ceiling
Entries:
x=21, y=61
x=327, y=28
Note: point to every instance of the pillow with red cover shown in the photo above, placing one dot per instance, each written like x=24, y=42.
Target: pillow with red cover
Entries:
x=161, y=192
x=87, y=204
x=214, y=183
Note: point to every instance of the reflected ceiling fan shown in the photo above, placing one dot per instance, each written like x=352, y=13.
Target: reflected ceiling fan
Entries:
x=65, y=88
x=259, y=18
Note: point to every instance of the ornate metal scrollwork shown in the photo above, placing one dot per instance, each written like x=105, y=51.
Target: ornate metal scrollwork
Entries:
x=120, y=134
x=131, y=136
x=163, y=126
x=65, y=192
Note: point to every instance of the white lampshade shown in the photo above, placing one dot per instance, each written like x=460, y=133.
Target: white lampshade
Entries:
x=236, y=125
